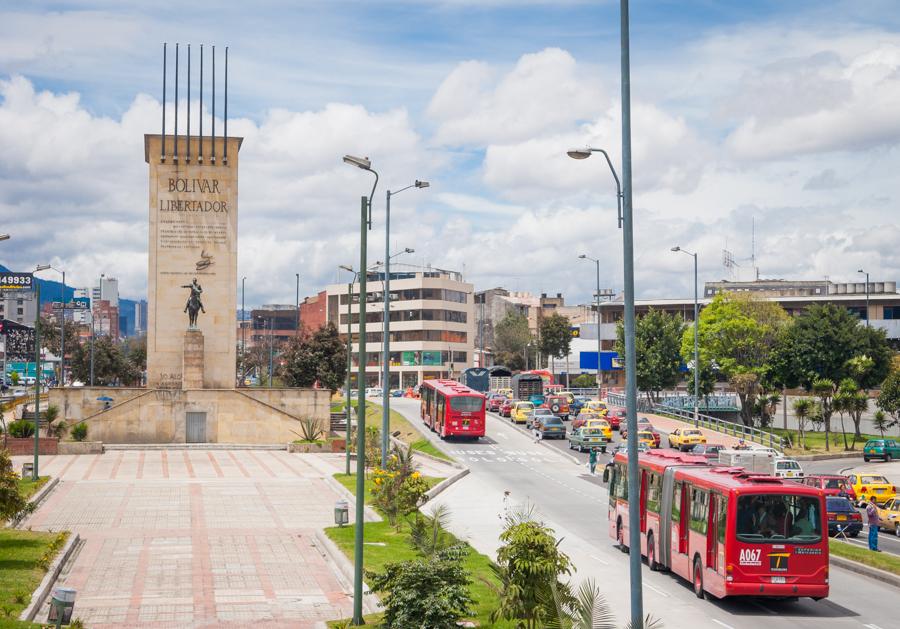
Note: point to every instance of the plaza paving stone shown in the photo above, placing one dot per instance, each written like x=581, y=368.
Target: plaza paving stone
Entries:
x=195, y=538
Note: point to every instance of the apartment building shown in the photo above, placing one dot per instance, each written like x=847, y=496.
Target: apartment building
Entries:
x=432, y=323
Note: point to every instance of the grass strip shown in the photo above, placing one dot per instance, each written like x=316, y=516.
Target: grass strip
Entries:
x=387, y=544
x=882, y=561
x=28, y=487
x=409, y=434
x=815, y=441
x=24, y=558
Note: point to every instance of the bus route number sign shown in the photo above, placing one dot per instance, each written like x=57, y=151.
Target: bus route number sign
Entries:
x=16, y=281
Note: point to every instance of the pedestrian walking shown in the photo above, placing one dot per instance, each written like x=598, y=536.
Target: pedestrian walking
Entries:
x=872, y=517
x=592, y=460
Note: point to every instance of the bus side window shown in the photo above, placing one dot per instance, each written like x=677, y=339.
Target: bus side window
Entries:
x=622, y=481
x=699, y=511
x=676, y=503
x=723, y=515
x=653, y=493
x=613, y=481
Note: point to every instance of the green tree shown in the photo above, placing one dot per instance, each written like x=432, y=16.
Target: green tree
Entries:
x=657, y=341
x=889, y=398
x=529, y=565
x=429, y=592
x=738, y=332
x=584, y=381
x=556, y=336
x=513, y=362
x=825, y=389
x=881, y=422
x=511, y=334
x=803, y=409
x=108, y=362
x=588, y=610
x=318, y=357
x=11, y=501
x=854, y=402
x=873, y=344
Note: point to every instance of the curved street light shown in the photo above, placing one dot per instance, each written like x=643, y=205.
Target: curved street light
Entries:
x=597, y=262
x=676, y=249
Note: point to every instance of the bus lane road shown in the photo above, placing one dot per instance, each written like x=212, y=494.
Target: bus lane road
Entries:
x=509, y=469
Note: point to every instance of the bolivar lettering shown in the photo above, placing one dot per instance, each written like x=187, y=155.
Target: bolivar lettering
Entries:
x=203, y=186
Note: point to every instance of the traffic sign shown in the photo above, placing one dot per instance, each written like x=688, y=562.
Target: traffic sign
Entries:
x=16, y=281
x=78, y=303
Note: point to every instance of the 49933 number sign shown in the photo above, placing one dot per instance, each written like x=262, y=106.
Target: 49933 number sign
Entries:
x=16, y=281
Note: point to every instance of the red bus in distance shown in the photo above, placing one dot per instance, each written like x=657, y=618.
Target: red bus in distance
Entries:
x=452, y=409
x=727, y=531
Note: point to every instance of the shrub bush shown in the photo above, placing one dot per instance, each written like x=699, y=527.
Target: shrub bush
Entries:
x=79, y=431
x=21, y=428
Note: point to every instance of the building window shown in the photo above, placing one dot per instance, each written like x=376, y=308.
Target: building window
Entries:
x=892, y=312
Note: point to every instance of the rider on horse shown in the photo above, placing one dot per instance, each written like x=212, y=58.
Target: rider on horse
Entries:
x=194, y=304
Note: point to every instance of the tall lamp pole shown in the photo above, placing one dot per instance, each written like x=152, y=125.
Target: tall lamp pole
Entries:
x=597, y=301
x=349, y=269
x=867, y=295
x=243, y=344
x=626, y=221
x=365, y=225
x=37, y=379
x=62, y=325
x=696, y=339
x=298, y=302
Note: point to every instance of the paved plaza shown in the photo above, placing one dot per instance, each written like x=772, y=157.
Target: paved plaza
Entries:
x=195, y=538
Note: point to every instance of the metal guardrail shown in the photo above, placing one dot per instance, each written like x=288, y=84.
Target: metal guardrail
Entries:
x=748, y=433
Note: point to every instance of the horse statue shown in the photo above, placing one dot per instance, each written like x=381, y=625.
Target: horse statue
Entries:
x=193, y=305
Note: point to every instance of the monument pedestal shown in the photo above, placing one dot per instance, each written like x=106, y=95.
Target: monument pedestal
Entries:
x=192, y=363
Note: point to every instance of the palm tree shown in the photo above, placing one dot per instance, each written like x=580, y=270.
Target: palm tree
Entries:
x=587, y=610
x=881, y=422
x=824, y=389
x=802, y=410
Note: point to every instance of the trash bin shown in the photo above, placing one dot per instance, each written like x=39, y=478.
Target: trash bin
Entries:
x=27, y=470
x=341, y=512
x=62, y=603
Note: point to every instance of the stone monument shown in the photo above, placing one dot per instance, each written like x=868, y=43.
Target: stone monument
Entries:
x=192, y=306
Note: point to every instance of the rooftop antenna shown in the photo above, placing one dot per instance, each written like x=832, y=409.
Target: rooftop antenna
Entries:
x=753, y=246
x=162, y=155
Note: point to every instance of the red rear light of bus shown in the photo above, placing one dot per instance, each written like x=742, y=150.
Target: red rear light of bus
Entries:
x=862, y=489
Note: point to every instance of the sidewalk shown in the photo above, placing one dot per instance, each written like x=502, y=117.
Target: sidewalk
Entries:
x=179, y=538
x=667, y=425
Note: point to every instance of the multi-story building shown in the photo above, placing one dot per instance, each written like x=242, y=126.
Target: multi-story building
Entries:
x=312, y=311
x=275, y=322
x=20, y=307
x=105, y=318
x=882, y=300
x=432, y=323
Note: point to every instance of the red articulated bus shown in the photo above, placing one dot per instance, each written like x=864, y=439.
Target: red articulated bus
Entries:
x=452, y=409
x=727, y=531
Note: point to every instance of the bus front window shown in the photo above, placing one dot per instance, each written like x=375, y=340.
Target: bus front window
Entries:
x=779, y=518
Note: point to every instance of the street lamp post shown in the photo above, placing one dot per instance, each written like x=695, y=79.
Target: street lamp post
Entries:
x=271, y=349
x=365, y=225
x=696, y=340
x=867, y=295
x=37, y=379
x=626, y=221
x=298, y=302
x=349, y=269
x=62, y=326
x=597, y=262
x=386, y=341
x=243, y=344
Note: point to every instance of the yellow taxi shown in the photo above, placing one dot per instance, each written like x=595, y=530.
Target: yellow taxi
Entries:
x=602, y=425
x=889, y=516
x=867, y=485
x=520, y=411
x=595, y=405
x=506, y=392
x=569, y=395
x=645, y=436
x=685, y=438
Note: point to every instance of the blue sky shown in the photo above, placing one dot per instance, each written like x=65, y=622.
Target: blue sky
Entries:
x=773, y=111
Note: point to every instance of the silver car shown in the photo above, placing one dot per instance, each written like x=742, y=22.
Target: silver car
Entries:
x=538, y=412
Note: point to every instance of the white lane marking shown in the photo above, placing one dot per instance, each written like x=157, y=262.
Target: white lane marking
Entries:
x=503, y=435
x=720, y=623
x=596, y=558
x=657, y=590
x=870, y=626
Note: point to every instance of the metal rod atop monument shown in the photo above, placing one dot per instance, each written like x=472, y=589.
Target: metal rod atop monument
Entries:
x=200, y=110
x=225, y=145
x=175, y=134
x=162, y=155
x=213, y=135
x=187, y=112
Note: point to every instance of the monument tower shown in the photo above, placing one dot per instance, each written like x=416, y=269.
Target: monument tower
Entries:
x=191, y=336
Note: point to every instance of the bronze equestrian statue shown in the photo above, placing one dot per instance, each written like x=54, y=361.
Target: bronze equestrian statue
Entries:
x=194, y=305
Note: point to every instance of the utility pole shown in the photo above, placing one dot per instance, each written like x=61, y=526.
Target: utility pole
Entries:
x=37, y=378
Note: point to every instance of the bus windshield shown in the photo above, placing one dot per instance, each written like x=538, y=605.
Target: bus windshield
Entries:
x=779, y=518
x=466, y=404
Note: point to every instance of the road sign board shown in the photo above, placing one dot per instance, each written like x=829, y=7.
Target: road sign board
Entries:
x=78, y=303
x=16, y=281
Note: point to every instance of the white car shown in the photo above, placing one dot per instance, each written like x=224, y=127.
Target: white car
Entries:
x=373, y=392
x=787, y=468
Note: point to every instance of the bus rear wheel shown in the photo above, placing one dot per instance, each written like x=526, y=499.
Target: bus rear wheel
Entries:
x=698, y=578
